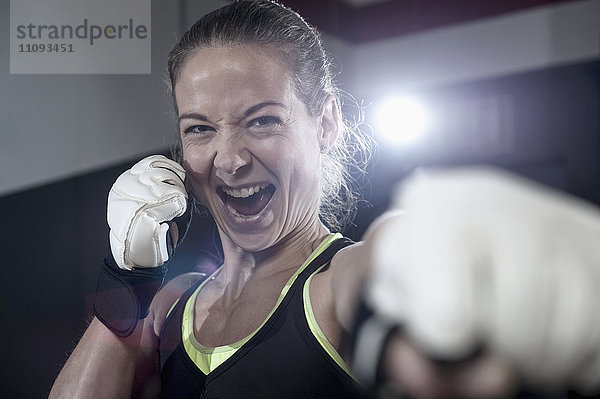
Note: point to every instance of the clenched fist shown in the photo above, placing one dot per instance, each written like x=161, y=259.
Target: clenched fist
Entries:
x=482, y=258
x=141, y=203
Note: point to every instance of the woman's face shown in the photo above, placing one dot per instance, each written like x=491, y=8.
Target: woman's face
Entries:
x=250, y=148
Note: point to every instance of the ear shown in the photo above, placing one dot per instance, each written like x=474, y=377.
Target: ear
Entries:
x=329, y=124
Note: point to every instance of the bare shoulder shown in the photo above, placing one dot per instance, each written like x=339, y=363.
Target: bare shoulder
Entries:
x=358, y=255
x=168, y=296
x=346, y=256
x=381, y=224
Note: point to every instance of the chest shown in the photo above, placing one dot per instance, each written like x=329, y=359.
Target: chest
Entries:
x=283, y=360
x=221, y=319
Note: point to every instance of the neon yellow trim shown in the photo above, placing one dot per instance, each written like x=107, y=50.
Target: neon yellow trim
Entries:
x=172, y=307
x=208, y=359
x=316, y=330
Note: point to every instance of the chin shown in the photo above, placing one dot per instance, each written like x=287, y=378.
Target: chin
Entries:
x=253, y=242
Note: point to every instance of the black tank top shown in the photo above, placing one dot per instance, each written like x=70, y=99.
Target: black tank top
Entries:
x=282, y=360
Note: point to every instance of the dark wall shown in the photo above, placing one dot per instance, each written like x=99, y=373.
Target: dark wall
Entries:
x=54, y=237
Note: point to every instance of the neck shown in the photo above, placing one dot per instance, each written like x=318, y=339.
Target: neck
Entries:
x=286, y=255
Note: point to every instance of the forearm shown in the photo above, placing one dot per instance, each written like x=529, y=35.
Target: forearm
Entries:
x=113, y=351
x=101, y=366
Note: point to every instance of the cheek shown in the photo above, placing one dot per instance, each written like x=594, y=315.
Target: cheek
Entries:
x=303, y=160
x=197, y=165
x=306, y=175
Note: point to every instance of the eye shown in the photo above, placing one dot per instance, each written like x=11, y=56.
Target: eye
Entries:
x=198, y=129
x=264, y=122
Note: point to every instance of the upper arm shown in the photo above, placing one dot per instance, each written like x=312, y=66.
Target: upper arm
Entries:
x=147, y=372
x=348, y=271
x=351, y=266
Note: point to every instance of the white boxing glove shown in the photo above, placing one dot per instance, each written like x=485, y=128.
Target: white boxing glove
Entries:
x=140, y=204
x=482, y=257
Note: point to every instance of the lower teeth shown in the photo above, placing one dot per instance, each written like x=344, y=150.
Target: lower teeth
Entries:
x=232, y=210
x=249, y=206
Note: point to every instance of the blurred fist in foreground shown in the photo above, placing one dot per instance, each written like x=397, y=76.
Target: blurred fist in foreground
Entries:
x=479, y=258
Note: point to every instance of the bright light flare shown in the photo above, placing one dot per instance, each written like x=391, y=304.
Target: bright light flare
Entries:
x=401, y=120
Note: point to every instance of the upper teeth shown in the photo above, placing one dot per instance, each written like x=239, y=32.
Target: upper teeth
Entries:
x=244, y=192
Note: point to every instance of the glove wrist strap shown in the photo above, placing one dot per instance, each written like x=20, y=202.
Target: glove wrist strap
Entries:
x=368, y=341
x=123, y=296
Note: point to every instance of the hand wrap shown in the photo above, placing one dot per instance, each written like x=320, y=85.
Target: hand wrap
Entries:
x=124, y=296
x=367, y=342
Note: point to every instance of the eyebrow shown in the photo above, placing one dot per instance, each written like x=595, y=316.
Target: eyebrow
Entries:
x=248, y=112
x=257, y=107
x=192, y=115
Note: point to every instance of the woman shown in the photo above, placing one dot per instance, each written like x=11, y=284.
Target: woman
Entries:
x=260, y=132
x=262, y=141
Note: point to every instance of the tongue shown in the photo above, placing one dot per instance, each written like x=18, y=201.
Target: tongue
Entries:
x=251, y=205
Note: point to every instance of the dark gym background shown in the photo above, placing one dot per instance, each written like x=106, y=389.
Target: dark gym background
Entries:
x=54, y=234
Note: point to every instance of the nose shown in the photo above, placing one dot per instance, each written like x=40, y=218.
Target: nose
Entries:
x=231, y=156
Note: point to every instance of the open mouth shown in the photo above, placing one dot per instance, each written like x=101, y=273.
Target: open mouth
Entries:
x=248, y=201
